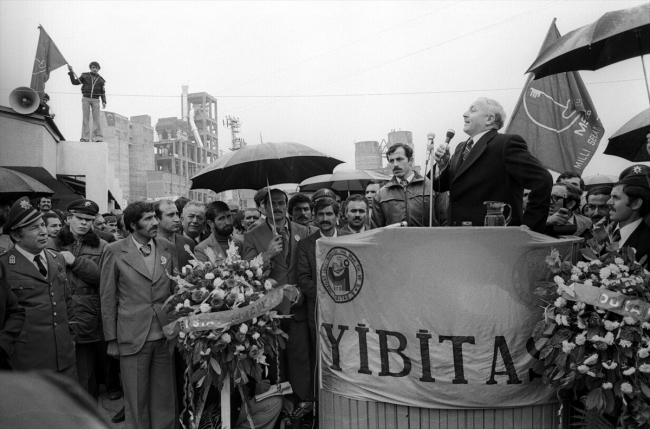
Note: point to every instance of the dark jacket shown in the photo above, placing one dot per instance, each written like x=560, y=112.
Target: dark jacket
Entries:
x=393, y=203
x=640, y=241
x=498, y=168
x=83, y=281
x=92, y=85
x=12, y=319
x=46, y=340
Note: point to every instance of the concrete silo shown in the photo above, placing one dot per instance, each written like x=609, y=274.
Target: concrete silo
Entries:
x=367, y=155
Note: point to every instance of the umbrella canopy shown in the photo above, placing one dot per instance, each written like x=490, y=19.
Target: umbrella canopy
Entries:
x=252, y=167
x=614, y=37
x=14, y=185
x=630, y=142
x=599, y=180
x=343, y=180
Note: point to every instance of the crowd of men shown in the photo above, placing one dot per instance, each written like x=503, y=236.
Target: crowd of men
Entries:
x=81, y=293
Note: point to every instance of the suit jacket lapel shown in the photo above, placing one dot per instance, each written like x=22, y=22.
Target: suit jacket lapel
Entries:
x=25, y=266
x=52, y=266
x=161, y=252
x=133, y=257
x=475, y=153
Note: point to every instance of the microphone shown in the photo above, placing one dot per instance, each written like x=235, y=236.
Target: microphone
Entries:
x=450, y=135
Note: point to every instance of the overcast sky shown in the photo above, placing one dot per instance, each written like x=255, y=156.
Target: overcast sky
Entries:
x=325, y=74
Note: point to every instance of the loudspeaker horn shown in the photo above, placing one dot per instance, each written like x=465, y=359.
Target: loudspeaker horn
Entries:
x=24, y=100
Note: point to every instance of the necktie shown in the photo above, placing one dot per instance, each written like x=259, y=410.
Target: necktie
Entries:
x=41, y=267
x=286, y=245
x=468, y=147
x=146, y=249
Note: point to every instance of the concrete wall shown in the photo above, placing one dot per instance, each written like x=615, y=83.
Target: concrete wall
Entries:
x=141, y=159
x=117, y=137
x=91, y=161
x=27, y=144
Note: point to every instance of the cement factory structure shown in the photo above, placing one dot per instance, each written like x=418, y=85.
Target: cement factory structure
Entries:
x=370, y=155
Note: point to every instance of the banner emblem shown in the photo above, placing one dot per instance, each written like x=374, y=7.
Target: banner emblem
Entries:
x=341, y=274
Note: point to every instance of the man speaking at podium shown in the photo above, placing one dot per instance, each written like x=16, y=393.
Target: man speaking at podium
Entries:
x=492, y=167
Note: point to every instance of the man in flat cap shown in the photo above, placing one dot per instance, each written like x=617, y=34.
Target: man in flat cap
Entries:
x=629, y=202
x=92, y=90
x=38, y=278
x=82, y=249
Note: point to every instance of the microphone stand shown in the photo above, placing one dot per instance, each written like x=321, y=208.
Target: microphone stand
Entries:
x=433, y=175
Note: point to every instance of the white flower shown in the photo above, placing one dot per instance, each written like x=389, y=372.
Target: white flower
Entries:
x=243, y=328
x=596, y=262
x=219, y=293
x=578, y=306
x=610, y=365
x=217, y=282
x=249, y=274
x=184, y=269
x=209, y=276
x=181, y=334
x=558, y=319
x=268, y=285
x=575, y=278
x=240, y=348
x=205, y=307
x=604, y=273
x=206, y=352
x=626, y=388
x=645, y=368
x=580, y=339
x=576, y=270
x=261, y=323
x=187, y=303
x=645, y=325
x=225, y=273
x=559, y=280
x=249, y=291
x=259, y=272
x=565, y=320
x=226, y=337
x=261, y=359
x=582, y=264
x=607, y=385
x=631, y=370
x=591, y=359
x=256, y=335
x=619, y=261
x=583, y=369
x=240, y=297
x=567, y=347
x=560, y=302
x=588, y=283
x=629, y=320
x=610, y=326
x=624, y=343
x=178, y=307
x=643, y=353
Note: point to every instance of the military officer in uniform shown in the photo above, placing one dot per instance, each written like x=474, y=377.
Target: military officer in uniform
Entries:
x=38, y=278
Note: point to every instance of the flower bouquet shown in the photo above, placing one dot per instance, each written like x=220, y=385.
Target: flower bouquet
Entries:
x=599, y=338
x=224, y=326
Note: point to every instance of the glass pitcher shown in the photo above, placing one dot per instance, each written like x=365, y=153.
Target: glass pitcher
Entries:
x=495, y=215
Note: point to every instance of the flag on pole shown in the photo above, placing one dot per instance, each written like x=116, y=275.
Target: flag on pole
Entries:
x=557, y=118
x=48, y=58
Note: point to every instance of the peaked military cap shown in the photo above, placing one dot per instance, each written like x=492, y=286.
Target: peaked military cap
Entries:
x=634, y=169
x=85, y=209
x=323, y=193
x=22, y=213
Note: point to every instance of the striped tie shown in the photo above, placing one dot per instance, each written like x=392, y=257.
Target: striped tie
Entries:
x=468, y=147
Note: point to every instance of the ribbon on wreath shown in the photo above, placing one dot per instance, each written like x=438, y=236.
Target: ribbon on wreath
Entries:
x=224, y=319
x=610, y=300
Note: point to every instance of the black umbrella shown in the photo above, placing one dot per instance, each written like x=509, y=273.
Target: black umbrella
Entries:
x=614, y=37
x=344, y=181
x=630, y=142
x=14, y=185
x=253, y=167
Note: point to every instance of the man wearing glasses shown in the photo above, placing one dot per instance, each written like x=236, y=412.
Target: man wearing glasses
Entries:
x=565, y=200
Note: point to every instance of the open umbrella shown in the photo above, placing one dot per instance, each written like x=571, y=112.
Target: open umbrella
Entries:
x=344, y=181
x=614, y=37
x=14, y=185
x=255, y=166
x=630, y=142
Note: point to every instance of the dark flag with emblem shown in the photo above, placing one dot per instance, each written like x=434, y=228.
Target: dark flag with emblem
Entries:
x=48, y=58
x=557, y=119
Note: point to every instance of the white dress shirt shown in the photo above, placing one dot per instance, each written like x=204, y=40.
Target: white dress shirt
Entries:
x=30, y=256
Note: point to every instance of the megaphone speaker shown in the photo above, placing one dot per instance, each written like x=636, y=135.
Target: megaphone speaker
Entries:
x=24, y=100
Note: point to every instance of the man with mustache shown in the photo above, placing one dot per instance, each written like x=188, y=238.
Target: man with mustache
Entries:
x=169, y=226
x=326, y=212
x=251, y=216
x=135, y=279
x=300, y=211
x=277, y=238
x=405, y=199
x=38, y=278
x=219, y=217
x=82, y=250
x=356, y=212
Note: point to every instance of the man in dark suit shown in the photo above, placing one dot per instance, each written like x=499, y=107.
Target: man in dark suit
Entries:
x=276, y=238
x=12, y=319
x=38, y=278
x=169, y=227
x=492, y=167
x=326, y=212
x=134, y=286
x=629, y=203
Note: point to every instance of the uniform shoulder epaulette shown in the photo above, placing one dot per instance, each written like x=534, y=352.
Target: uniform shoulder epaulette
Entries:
x=54, y=253
x=3, y=251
